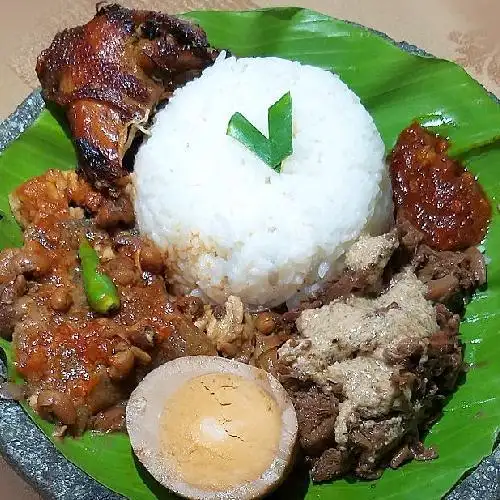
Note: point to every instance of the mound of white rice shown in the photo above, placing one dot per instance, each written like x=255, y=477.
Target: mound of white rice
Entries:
x=228, y=222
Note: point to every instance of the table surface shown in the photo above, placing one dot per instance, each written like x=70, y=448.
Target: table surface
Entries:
x=459, y=30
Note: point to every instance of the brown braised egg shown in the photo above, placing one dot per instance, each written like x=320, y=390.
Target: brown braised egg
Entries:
x=212, y=428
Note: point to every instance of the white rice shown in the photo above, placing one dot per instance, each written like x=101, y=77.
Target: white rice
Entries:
x=230, y=224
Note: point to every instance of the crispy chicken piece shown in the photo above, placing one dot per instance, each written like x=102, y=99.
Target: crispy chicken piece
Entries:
x=110, y=74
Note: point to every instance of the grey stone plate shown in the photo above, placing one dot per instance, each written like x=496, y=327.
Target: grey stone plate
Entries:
x=33, y=456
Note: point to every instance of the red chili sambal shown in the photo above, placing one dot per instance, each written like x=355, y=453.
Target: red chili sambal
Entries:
x=435, y=193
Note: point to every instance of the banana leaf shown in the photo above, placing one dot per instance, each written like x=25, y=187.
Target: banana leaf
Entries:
x=397, y=87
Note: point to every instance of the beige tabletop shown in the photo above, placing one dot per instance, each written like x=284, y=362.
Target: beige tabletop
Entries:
x=462, y=30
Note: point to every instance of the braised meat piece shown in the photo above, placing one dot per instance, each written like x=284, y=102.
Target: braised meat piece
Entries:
x=110, y=74
x=451, y=277
x=316, y=415
x=435, y=194
x=111, y=420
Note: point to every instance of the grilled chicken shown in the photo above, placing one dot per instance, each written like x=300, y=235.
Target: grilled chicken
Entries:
x=110, y=74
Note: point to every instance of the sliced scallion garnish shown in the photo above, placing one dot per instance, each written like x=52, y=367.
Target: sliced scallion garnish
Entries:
x=278, y=146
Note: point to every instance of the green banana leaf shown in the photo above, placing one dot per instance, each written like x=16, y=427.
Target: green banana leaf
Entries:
x=397, y=88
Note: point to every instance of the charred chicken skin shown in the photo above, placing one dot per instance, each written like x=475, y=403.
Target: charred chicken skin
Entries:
x=110, y=74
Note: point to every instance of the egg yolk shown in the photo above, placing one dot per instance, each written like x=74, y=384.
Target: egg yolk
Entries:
x=220, y=431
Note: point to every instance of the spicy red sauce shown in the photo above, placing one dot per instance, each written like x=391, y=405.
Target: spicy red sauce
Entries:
x=435, y=193
x=65, y=357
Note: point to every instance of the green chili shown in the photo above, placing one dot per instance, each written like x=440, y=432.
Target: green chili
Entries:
x=102, y=294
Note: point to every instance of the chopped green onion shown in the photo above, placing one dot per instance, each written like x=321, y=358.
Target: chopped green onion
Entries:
x=279, y=119
x=279, y=145
x=243, y=131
